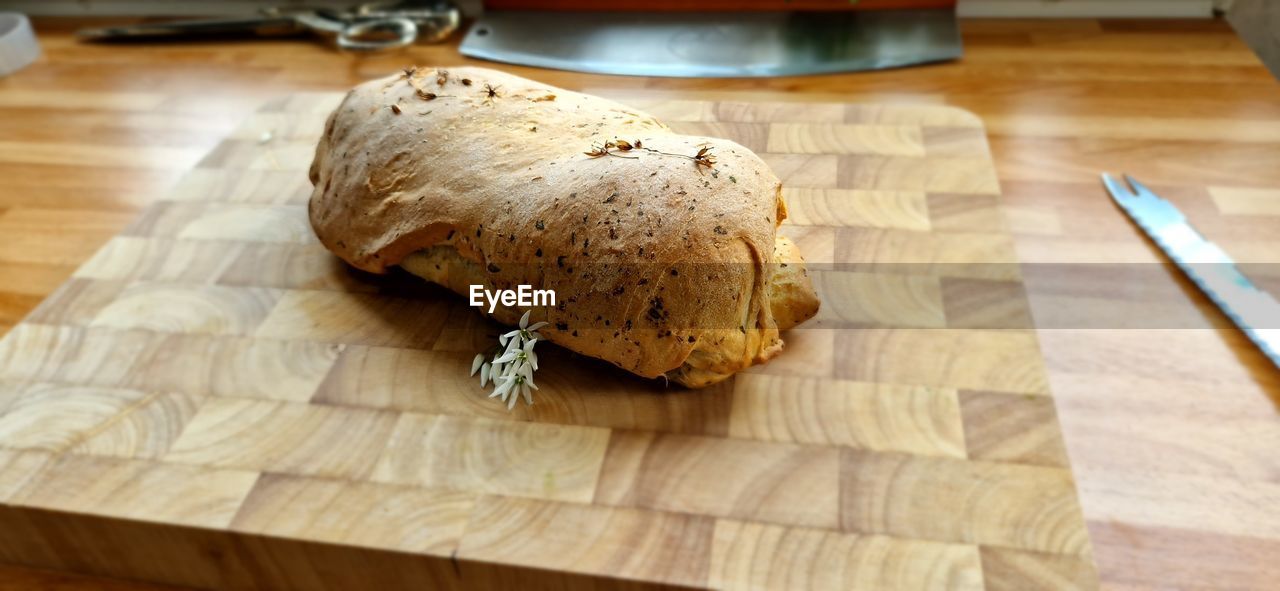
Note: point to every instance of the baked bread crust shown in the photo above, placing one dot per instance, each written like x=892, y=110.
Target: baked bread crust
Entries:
x=663, y=263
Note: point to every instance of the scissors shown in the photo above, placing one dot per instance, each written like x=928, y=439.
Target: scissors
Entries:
x=373, y=26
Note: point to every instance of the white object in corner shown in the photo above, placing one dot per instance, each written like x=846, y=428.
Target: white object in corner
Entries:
x=1086, y=8
x=18, y=46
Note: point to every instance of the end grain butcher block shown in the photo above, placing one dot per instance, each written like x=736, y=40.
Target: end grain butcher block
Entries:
x=214, y=400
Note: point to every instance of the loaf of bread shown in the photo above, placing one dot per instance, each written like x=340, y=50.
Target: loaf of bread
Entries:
x=662, y=249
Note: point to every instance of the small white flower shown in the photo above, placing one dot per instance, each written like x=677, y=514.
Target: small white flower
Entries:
x=511, y=369
x=507, y=357
x=511, y=400
x=508, y=382
x=526, y=332
x=529, y=353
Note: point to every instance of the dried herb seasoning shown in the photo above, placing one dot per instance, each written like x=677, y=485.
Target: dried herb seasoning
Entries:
x=490, y=93
x=604, y=150
x=702, y=159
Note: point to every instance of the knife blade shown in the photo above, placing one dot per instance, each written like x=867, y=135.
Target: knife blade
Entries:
x=1254, y=311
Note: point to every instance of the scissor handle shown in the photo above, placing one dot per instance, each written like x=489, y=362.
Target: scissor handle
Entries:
x=436, y=19
x=259, y=25
x=354, y=37
x=353, y=34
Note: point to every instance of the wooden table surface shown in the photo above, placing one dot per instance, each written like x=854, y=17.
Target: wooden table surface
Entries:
x=1171, y=423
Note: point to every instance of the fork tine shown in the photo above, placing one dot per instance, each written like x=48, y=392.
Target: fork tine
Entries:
x=1139, y=188
x=1117, y=189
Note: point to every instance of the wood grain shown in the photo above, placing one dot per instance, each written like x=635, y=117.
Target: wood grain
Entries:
x=502, y=457
x=356, y=319
x=1003, y=568
x=1003, y=505
x=226, y=366
x=403, y=518
x=772, y=483
x=875, y=209
x=56, y=417
x=759, y=556
x=283, y=437
x=630, y=544
x=1182, y=105
x=1011, y=428
x=863, y=415
x=1004, y=360
x=139, y=489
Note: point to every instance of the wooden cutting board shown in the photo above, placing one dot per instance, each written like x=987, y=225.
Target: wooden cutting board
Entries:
x=214, y=400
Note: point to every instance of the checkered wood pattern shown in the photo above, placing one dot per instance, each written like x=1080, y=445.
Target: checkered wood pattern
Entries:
x=214, y=400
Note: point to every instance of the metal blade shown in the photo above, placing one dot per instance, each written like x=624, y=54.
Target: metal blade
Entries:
x=1152, y=212
x=727, y=44
x=1256, y=312
x=1116, y=188
x=1138, y=188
